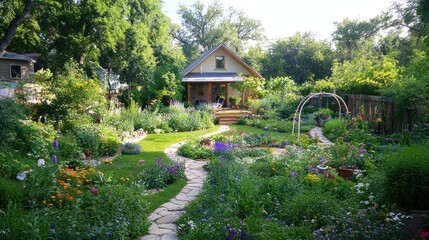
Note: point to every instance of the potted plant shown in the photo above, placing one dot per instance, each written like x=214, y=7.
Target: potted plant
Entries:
x=234, y=101
x=323, y=115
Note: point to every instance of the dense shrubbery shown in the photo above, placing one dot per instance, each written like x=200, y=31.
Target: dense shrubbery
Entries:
x=284, y=196
x=162, y=174
x=407, y=177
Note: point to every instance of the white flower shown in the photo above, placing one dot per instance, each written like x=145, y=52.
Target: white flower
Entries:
x=41, y=162
x=21, y=176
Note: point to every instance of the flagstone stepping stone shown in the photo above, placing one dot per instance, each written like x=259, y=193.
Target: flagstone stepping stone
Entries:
x=163, y=218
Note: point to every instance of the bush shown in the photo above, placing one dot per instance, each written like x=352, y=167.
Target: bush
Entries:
x=108, y=141
x=407, y=177
x=87, y=138
x=335, y=128
x=194, y=150
x=162, y=174
x=10, y=190
x=130, y=148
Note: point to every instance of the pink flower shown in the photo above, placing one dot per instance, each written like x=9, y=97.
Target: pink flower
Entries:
x=242, y=132
x=141, y=161
x=94, y=191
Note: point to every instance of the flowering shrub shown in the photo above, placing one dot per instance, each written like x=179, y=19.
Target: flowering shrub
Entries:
x=130, y=148
x=162, y=174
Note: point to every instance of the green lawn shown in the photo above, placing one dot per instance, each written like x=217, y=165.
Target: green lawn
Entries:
x=153, y=146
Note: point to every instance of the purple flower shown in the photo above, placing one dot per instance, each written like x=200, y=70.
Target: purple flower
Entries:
x=53, y=226
x=265, y=128
x=218, y=146
x=94, y=191
x=54, y=159
x=293, y=174
x=56, y=143
x=361, y=151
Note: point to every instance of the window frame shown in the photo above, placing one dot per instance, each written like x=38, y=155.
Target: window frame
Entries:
x=223, y=62
x=12, y=72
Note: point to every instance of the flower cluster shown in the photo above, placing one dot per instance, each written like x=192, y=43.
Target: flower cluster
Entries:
x=71, y=183
x=311, y=178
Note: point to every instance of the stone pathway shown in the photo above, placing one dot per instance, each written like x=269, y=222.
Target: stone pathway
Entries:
x=163, y=218
x=317, y=133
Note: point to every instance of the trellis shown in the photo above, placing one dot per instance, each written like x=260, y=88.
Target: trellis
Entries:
x=306, y=99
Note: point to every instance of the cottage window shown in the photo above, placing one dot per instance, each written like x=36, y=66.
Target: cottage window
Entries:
x=220, y=62
x=15, y=71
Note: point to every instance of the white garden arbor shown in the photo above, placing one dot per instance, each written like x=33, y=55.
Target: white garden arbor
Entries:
x=306, y=99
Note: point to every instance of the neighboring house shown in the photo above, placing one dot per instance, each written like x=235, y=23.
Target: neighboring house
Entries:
x=209, y=77
x=13, y=67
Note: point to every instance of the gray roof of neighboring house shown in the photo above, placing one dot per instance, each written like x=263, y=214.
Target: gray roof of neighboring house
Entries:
x=15, y=56
x=212, y=77
x=209, y=52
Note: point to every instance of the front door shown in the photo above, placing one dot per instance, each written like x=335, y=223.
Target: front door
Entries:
x=219, y=92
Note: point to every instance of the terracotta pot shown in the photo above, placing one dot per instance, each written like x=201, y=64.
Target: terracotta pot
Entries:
x=346, y=172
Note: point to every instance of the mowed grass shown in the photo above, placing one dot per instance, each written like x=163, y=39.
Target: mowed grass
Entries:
x=153, y=146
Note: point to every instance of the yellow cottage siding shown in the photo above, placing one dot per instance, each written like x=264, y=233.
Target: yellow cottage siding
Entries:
x=209, y=64
x=5, y=75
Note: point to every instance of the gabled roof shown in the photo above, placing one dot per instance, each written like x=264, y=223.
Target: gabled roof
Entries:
x=228, y=51
x=15, y=56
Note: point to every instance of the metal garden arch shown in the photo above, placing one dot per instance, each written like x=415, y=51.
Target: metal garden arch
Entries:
x=306, y=99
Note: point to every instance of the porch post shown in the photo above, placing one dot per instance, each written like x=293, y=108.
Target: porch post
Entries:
x=226, y=94
x=210, y=92
x=189, y=92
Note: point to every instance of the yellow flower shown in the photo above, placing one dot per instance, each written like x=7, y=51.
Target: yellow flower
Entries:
x=312, y=178
x=273, y=168
x=50, y=204
x=53, y=197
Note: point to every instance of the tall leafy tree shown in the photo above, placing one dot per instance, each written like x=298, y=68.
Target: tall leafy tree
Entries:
x=12, y=18
x=350, y=34
x=301, y=57
x=205, y=26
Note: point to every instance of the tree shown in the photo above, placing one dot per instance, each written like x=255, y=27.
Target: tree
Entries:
x=367, y=73
x=205, y=26
x=16, y=20
x=300, y=57
x=349, y=34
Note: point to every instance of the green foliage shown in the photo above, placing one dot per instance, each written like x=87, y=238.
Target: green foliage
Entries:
x=300, y=57
x=10, y=190
x=205, y=26
x=11, y=113
x=71, y=99
x=194, y=150
x=407, y=176
x=163, y=174
x=250, y=85
x=97, y=140
x=234, y=100
x=365, y=74
x=335, y=128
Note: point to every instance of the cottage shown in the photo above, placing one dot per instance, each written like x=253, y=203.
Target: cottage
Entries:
x=13, y=67
x=208, y=78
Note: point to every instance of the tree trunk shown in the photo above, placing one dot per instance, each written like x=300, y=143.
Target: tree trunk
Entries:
x=13, y=25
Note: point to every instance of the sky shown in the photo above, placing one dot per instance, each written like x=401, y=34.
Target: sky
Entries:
x=283, y=18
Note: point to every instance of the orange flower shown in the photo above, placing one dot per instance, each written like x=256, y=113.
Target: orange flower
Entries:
x=70, y=198
x=65, y=187
x=50, y=204
x=78, y=192
x=53, y=197
x=60, y=195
